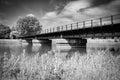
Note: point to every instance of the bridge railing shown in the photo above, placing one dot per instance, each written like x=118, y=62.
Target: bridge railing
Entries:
x=110, y=20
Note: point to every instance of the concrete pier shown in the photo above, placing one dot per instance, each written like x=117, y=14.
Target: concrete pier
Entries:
x=69, y=45
x=33, y=46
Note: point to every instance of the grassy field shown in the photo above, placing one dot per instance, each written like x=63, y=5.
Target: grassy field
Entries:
x=95, y=65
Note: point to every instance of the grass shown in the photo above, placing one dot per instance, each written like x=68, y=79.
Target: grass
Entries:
x=97, y=65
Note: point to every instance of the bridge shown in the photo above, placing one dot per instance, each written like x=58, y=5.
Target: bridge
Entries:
x=76, y=33
x=95, y=28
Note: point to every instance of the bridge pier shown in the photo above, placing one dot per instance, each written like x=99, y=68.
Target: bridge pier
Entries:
x=46, y=45
x=69, y=45
x=28, y=47
x=35, y=46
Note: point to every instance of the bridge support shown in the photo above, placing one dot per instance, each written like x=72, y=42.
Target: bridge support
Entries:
x=35, y=46
x=46, y=45
x=69, y=45
x=28, y=47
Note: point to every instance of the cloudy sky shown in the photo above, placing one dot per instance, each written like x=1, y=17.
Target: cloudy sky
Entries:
x=52, y=13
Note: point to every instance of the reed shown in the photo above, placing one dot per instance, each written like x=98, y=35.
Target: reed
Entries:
x=100, y=65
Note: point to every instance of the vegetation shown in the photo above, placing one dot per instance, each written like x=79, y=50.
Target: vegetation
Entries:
x=14, y=34
x=4, y=31
x=100, y=65
x=28, y=25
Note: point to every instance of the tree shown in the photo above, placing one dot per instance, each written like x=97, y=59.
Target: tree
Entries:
x=14, y=34
x=28, y=25
x=4, y=31
x=13, y=29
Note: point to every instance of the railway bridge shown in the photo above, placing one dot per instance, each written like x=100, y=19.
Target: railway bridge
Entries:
x=75, y=35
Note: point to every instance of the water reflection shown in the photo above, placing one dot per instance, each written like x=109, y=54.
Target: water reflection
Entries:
x=28, y=48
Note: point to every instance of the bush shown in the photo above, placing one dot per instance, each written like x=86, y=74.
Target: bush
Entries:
x=4, y=31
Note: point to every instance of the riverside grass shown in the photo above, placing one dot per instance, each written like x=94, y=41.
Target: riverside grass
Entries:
x=97, y=65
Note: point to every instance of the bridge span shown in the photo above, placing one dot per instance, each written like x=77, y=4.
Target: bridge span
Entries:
x=75, y=34
x=95, y=28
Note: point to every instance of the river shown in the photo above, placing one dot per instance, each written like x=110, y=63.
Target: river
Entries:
x=16, y=47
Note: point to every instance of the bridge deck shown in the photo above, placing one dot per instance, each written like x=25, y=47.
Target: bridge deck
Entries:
x=100, y=27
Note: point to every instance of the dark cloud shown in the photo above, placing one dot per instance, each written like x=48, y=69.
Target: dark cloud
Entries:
x=15, y=8
x=62, y=10
x=59, y=4
x=95, y=3
x=107, y=6
x=80, y=10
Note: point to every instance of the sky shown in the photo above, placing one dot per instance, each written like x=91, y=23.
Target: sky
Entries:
x=53, y=13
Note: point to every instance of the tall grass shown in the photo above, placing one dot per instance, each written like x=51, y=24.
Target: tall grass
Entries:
x=100, y=65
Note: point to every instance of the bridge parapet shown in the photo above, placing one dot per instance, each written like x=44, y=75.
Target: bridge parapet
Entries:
x=109, y=20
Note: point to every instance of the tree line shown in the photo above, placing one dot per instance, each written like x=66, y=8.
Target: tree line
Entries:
x=25, y=26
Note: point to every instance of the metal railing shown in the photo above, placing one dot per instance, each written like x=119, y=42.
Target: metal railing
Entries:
x=109, y=20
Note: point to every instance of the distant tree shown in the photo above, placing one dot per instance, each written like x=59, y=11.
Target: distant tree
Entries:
x=13, y=29
x=28, y=25
x=14, y=34
x=4, y=31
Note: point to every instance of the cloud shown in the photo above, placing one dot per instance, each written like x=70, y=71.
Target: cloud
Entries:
x=73, y=10
x=52, y=19
x=31, y=15
x=104, y=10
x=50, y=15
x=80, y=10
x=95, y=3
